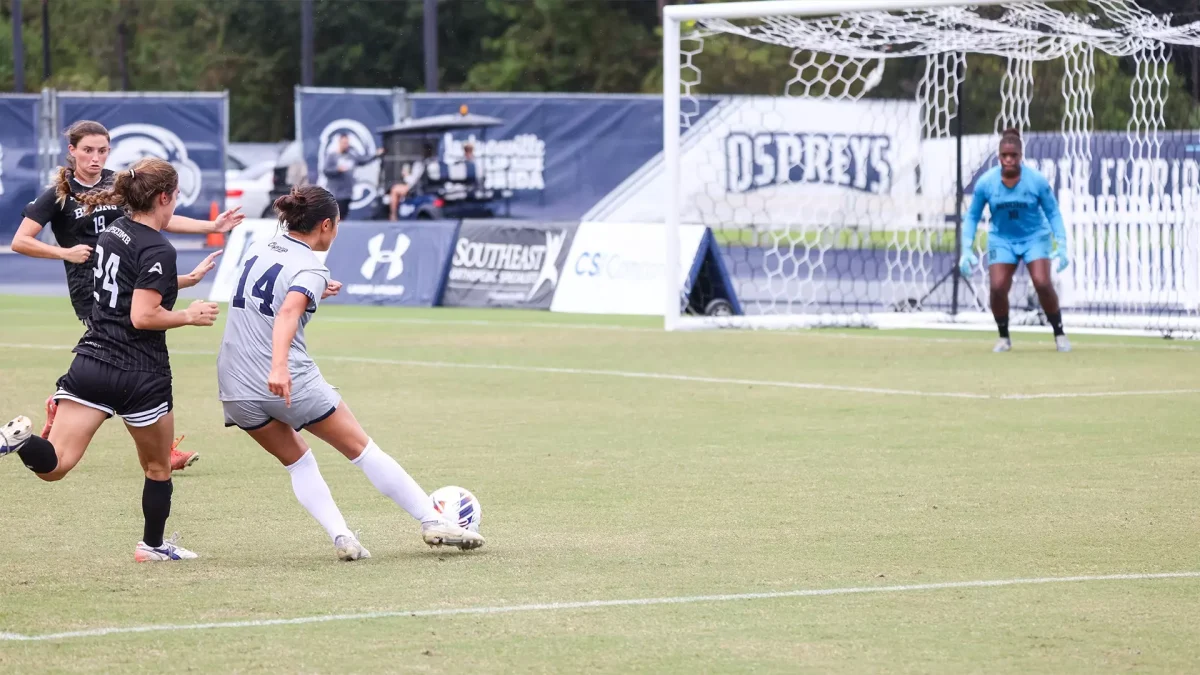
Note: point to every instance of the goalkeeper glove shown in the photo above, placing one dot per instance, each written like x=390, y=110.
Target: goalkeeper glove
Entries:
x=967, y=262
x=1060, y=254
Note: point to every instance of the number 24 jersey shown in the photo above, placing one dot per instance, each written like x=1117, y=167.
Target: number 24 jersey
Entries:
x=129, y=256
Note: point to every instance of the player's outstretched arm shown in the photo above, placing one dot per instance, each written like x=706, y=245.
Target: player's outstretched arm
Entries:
x=195, y=276
x=25, y=242
x=147, y=312
x=287, y=322
x=967, y=259
x=1058, y=228
x=224, y=223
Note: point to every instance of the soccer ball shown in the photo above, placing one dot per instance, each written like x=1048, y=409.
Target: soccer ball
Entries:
x=458, y=504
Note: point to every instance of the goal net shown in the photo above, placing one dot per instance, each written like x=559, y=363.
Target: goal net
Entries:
x=833, y=146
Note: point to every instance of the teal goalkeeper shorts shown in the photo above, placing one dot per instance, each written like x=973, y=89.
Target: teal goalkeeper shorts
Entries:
x=1010, y=252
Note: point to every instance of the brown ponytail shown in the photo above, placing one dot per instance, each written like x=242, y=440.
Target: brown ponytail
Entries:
x=136, y=188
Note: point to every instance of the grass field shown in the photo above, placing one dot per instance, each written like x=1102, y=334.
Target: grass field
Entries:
x=788, y=462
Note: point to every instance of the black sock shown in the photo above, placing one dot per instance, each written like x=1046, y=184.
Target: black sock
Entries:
x=1002, y=326
x=156, y=507
x=1055, y=320
x=38, y=455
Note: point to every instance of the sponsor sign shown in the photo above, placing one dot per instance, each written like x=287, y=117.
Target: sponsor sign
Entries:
x=618, y=268
x=508, y=264
x=187, y=130
x=401, y=263
x=19, y=183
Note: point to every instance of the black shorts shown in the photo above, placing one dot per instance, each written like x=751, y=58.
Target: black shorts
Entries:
x=343, y=208
x=140, y=398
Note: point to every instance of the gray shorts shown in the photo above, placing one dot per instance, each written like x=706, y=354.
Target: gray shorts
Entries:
x=313, y=404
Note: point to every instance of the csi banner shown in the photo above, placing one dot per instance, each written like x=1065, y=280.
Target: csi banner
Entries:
x=507, y=264
x=325, y=115
x=618, y=268
x=188, y=130
x=402, y=263
x=19, y=183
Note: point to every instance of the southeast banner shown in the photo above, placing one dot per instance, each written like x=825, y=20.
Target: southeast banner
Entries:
x=19, y=183
x=508, y=263
x=400, y=263
x=326, y=115
x=187, y=130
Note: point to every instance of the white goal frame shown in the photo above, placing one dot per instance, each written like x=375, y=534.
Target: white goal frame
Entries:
x=674, y=16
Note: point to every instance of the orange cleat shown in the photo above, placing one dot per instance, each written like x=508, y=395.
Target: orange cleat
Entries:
x=51, y=409
x=179, y=459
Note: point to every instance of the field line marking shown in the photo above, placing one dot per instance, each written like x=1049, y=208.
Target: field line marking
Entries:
x=593, y=604
x=783, y=384
x=622, y=328
x=588, y=371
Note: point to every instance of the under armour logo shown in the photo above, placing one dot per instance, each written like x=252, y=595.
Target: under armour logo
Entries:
x=394, y=258
x=554, y=246
x=156, y=267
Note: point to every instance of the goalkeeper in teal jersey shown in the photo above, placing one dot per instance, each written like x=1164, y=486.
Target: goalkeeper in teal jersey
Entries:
x=1026, y=225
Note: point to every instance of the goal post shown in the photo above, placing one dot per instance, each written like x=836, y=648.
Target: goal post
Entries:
x=835, y=190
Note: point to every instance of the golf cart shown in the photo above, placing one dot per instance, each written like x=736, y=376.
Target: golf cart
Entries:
x=432, y=188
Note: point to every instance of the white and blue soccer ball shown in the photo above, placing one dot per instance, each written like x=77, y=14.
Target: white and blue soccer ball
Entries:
x=456, y=503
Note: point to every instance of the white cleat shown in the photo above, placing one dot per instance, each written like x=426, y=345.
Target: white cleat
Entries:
x=170, y=550
x=1062, y=343
x=14, y=434
x=1003, y=345
x=446, y=533
x=349, y=549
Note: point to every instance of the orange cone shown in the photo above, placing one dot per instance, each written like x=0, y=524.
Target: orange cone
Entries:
x=214, y=239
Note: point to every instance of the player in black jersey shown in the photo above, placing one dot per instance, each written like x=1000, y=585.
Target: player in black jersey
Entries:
x=121, y=364
x=77, y=228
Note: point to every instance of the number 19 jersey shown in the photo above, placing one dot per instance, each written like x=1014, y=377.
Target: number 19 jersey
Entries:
x=129, y=256
x=271, y=271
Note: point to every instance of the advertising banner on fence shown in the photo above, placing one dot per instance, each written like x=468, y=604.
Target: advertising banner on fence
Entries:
x=559, y=154
x=187, y=130
x=401, y=263
x=772, y=161
x=507, y=263
x=327, y=114
x=617, y=268
x=19, y=183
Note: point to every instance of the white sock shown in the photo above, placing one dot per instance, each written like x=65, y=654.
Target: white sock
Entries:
x=313, y=494
x=392, y=480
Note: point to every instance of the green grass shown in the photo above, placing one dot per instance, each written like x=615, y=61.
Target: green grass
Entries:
x=843, y=237
x=598, y=487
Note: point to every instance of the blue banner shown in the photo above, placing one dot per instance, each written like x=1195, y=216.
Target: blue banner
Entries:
x=327, y=114
x=187, y=130
x=560, y=155
x=19, y=181
x=1118, y=167
x=401, y=263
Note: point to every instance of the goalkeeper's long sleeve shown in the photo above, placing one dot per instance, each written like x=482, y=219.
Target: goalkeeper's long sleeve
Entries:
x=971, y=221
x=1050, y=207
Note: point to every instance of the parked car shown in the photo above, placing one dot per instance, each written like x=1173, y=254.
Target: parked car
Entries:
x=251, y=189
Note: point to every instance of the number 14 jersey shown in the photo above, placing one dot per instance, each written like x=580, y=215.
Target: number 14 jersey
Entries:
x=129, y=256
x=271, y=270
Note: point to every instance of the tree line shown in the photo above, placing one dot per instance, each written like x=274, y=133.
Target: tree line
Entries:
x=252, y=48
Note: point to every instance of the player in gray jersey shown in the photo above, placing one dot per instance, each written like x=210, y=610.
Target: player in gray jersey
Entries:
x=271, y=388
